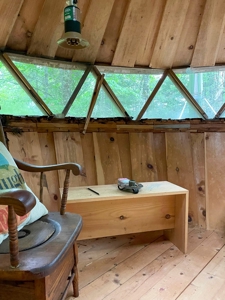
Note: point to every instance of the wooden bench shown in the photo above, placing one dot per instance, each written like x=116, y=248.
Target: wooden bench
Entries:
x=158, y=206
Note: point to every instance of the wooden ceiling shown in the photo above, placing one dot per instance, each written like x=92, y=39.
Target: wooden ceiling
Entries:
x=147, y=33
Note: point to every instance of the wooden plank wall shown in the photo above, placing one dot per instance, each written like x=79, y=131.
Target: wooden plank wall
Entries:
x=193, y=160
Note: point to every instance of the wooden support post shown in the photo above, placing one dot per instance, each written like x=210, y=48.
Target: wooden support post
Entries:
x=186, y=93
x=15, y=72
x=93, y=101
x=151, y=97
x=76, y=91
x=111, y=93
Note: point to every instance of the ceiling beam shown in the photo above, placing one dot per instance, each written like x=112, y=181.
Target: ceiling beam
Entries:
x=48, y=30
x=210, y=34
x=134, y=33
x=169, y=34
x=112, y=32
x=95, y=24
x=189, y=34
x=146, y=46
x=21, y=34
x=9, y=13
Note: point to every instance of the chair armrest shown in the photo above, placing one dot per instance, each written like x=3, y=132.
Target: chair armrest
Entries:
x=75, y=168
x=21, y=200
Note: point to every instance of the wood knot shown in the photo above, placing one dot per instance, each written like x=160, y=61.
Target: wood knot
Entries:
x=112, y=139
x=167, y=216
x=122, y=217
x=150, y=166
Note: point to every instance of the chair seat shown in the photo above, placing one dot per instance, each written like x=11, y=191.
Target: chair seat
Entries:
x=31, y=236
x=32, y=264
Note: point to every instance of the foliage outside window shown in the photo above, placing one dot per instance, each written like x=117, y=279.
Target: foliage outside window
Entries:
x=169, y=103
x=132, y=90
x=55, y=82
x=206, y=86
x=54, y=85
x=13, y=99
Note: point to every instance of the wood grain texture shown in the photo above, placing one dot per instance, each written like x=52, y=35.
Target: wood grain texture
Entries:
x=158, y=205
x=169, y=287
x=56, y=282
x=27, y=148
x=146, y=45
x=8, y=17
x=189, y=34
x=214, y=164
x=133, y=275
x=68, y=148
x=93, y=31
x=117, y=253
x=124, y=152
x=134, y=32
x=160, y=155
x=103, y=218
x=23, y=28
x=107, y=158
x=48, y=29
x=180, y=167
x=142, y=154
x=51, y=181
x=169, y=33
x=198, y=155
x=107, y=283
x=209, y=284
x=112, y=32
x=220, y=59
x=210, y=34
x=89, y=158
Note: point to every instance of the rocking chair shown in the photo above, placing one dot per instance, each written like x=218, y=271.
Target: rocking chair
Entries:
x=42, y=263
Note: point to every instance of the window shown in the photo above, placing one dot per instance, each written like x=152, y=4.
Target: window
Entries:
x=13, y=99
x=55, y=81
x=169, y=103
x=206, y=86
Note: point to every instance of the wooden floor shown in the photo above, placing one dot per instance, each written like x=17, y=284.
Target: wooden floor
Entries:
x=145, y=266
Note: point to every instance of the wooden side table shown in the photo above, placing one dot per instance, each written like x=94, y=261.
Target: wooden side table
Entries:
x=158, y=206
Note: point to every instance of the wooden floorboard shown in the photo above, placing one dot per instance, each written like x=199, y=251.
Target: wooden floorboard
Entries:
x=146, y=266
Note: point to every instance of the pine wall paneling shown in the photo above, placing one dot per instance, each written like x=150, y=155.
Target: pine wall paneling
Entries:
x=31, y=147
x=193, y=160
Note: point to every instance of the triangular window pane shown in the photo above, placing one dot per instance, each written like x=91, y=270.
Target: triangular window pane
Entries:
x=54, y=83
x=169, y=103
x=132, y=90
x=105, y=107
x=82, y=102
x=207, y=88
x=222, y=115
x=13, y=99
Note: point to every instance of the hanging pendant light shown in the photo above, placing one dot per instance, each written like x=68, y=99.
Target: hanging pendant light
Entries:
x=72, y=38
